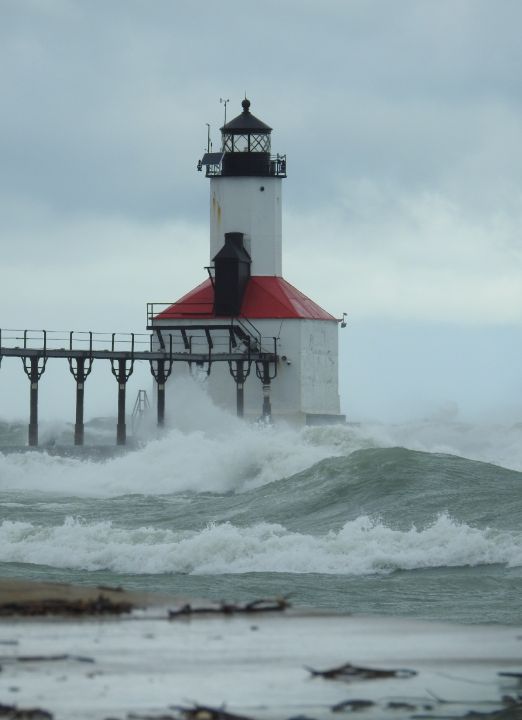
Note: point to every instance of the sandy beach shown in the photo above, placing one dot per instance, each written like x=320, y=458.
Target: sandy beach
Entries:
x=147, y=663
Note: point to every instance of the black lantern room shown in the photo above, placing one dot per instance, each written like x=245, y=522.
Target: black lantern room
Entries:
x=245, y=149
x=246, y=144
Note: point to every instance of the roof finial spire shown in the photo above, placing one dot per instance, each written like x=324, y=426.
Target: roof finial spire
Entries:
x=246, y=105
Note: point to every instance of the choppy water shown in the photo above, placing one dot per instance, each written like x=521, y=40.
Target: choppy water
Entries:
x=421, y=520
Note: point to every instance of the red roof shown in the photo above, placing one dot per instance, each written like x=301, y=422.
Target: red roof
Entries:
x=265, y=297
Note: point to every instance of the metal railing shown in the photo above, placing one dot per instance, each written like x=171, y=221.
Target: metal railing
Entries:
x=277, y=167
x=158, y=318
x=160, y=310
x=174, y=341
x=73, y=340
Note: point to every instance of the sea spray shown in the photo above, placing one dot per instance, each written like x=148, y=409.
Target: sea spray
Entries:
x=190, y=461
x=497, y=444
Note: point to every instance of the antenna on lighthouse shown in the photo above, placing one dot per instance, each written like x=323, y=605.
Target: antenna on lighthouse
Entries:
x=225, y=102
x=209, y=142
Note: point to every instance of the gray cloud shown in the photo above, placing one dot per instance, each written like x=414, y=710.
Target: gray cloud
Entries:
x=401, y=123
x=105, y=104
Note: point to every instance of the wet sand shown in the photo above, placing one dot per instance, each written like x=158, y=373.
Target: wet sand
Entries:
x=147, y=663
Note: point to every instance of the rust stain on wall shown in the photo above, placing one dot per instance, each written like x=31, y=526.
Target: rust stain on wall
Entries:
x=216, y=209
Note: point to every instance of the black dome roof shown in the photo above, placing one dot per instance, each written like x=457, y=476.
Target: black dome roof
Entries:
x=246, y=122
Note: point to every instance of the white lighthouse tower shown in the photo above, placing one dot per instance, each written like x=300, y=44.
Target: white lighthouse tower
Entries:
x=246, y=283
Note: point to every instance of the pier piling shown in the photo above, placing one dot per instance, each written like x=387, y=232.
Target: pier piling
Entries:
x=33, y=412
x=80, y=368
x=161, y=393
x=240, y=389
x=34, y=367
x=267, y=407
x=160, y=370
x=121, y=428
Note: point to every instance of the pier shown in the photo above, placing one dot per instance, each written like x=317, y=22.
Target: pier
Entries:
x=234, y=342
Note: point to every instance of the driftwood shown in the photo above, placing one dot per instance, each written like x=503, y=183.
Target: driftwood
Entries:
x=399, y=705
x=12, y=712
x=196, y=712
x=133, y=716
x=101, y=605
x=205, y=712
x=348, y=672
x=352, y=705
x=45, y=658
x=512, y=710
x=224, y=608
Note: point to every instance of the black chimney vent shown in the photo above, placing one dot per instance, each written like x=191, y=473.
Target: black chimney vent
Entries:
x=232, y=272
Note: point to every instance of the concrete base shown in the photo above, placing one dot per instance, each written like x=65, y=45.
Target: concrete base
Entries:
x=322, y=419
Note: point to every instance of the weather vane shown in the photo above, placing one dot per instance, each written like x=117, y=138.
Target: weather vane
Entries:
x=221, y=100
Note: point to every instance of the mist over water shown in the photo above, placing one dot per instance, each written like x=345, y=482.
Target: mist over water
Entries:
x=421, y=519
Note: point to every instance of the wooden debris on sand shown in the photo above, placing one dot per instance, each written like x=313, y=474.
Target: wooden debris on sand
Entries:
x=101, y=605
x=196, y=712
x=352, y=705
x=12, y=712
x=224, y=608
x=349, y=672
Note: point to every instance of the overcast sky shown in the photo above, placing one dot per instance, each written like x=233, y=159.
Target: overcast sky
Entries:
x=401, y=122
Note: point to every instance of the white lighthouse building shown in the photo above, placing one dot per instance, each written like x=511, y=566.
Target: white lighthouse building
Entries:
x=246, y=286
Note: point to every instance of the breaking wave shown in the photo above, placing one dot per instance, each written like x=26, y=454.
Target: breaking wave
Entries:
x=361, y=547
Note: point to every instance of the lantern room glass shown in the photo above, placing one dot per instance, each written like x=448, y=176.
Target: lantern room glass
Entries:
x=249, y=142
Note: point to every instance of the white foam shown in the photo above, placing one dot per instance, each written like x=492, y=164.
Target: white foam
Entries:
x=361, y=547
x=209, y=450
x=224, y=454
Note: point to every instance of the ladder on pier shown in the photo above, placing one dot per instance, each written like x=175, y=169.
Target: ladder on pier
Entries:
x=140, y=410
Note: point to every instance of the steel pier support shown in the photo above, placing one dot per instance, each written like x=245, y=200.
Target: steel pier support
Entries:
x=240, y=389
x=122, y=373
x=33, y=414
x=267, y=407
x=121, y=428
x=34, y=367
x=240, y=373
x=161, y=393
x=80, y=384
x=266, y=376
x=80, y=369
x=161, y=370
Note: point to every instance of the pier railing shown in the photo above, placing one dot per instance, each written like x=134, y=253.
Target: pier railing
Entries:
x=61, y=343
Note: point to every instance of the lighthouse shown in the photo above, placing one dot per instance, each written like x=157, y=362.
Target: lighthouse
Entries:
x=246, y=288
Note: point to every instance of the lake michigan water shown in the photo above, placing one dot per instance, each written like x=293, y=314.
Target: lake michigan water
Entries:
x=421, y=519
